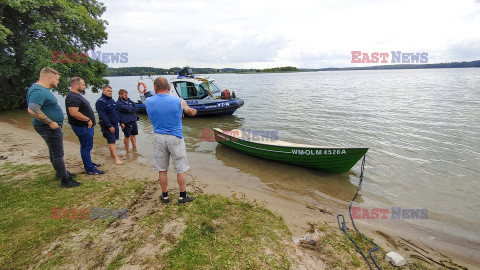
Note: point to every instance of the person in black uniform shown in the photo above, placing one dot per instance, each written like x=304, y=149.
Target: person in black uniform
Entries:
x=82, y=119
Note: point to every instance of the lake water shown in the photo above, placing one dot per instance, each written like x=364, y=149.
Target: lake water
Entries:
x=422, y=128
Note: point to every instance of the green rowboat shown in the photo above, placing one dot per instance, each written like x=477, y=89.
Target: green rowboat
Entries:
x=330, y=159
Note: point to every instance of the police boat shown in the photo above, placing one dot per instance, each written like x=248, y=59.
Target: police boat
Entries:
x=200, y=93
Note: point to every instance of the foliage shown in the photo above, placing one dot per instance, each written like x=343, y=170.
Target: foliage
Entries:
x=280, y=69
x=147, y=71
x=30, y=31
x=141, y=71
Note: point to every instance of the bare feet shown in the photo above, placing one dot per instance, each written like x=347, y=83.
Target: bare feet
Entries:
x=118, y=162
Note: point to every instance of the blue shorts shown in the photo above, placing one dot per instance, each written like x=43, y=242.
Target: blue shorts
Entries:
x=111, y=137
x=131, y=128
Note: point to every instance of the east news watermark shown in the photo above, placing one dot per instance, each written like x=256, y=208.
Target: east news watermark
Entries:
x=394, y=57
x=89, y=213
x=76, y=57
x=389, y=213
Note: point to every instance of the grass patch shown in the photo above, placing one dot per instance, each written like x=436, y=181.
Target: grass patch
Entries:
x=216, y=233
x=29, y=192
x=213, y=232
x=228, y=233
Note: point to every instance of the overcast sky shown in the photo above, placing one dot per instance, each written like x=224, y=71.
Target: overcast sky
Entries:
x=301, y=33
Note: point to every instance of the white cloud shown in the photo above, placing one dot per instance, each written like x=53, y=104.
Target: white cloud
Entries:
x=304, y=33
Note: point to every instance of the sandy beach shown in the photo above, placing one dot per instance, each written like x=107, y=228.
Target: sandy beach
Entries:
x=21, y=144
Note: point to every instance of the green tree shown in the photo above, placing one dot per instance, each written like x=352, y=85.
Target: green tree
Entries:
x=32, y=31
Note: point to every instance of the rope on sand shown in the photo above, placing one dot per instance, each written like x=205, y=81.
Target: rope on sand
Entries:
x=343, y=227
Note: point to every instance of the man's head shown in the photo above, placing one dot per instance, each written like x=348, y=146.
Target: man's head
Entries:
x=49, y=77
x=77, y=84
x=123, y=94
x=107, y=90
x=161, y=85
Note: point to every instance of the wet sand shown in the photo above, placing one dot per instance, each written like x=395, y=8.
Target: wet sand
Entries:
x=220, y=174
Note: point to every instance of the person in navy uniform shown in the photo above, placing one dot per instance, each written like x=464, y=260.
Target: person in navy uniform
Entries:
x=128, y=117
x=109, y=120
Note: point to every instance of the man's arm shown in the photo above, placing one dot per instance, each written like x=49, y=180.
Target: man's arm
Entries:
x=35, y=111
x=102, y=114
x=73, y=111
x=188, y=110
x=124, y=108
x=135, y=108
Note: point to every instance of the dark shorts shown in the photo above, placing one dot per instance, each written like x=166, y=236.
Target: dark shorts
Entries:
x=131, y=128
x=111, y=137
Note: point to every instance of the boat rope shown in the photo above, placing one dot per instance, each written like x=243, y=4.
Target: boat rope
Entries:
x=343, y=227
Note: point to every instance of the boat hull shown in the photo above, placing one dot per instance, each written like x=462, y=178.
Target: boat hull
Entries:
x=334, y=160
x=221, y=107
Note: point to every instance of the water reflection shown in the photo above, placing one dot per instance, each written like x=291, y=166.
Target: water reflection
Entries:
x=194, y=128
x=305, y=181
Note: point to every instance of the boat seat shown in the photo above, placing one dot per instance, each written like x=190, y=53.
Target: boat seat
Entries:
x=266, y=140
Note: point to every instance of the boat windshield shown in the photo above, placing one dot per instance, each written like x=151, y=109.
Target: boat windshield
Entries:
x=213, y=87
x=189, y=90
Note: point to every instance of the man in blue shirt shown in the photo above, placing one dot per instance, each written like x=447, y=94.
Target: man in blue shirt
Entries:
x=165, y=113
x=109, y=119
x=48, y=120
x=128, y=117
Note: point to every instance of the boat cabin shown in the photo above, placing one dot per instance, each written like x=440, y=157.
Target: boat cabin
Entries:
x=195, y=88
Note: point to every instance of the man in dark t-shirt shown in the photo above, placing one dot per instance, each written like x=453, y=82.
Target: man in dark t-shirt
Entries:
x=82, y=119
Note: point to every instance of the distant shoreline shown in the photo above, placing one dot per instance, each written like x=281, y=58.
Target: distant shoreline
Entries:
x=142, y=71
x=471, y=64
